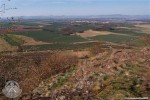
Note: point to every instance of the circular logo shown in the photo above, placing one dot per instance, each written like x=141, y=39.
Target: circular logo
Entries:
x=12, y=89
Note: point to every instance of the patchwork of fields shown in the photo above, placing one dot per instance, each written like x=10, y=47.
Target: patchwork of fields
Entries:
x=37, y=35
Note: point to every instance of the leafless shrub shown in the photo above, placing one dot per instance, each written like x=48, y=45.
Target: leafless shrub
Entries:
x=29, y=71
x=58, y=63
x=96, y=49
x=146, y=40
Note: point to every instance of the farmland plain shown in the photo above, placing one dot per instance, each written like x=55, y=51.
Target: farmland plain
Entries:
x=67, y=33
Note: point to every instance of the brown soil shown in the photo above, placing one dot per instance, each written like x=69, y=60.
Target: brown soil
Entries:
x=22, y=28
x=43, y=23
x=91, y=71
x=144, y=28
x=81, y=54
x=30, y=41
x=4, y=46
x=36, y=43
x=86, y=42
x=91, y=33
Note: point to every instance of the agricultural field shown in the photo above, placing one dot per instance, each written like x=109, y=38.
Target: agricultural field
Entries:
x=55, y=34
x=114, y=38
x=51, y=37
x=144, y=28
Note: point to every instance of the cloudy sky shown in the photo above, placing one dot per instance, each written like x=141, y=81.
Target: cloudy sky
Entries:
x=76, y=7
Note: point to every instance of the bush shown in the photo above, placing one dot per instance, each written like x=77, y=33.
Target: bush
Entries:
x=59, y=62
x=146, y=40
x=30, y=69
x=96, y=49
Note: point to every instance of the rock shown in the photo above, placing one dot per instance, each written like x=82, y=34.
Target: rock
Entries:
x=62, y=98
x=47, y=94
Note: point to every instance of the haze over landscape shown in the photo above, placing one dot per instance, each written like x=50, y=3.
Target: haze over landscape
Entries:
x=78, y=7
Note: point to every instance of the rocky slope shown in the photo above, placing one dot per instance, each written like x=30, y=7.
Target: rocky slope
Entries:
x=113, y=74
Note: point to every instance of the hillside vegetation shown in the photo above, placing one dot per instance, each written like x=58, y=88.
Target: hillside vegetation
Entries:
x=76, y=60
x=105, y=74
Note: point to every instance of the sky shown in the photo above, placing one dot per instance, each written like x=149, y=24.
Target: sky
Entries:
x=76, y=7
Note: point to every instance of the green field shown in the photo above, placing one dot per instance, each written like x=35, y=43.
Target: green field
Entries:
x=13, y=40
x=56, y=33
x=114, y=38
x=58, y=27
x=58, y=46
x=46, y=36
x=5, y=25
x=28, y=24
x=129, y=32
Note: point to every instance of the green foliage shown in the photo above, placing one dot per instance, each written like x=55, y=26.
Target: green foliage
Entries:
x=28, y=24
x=58, y=26
x=128, y=32
x=118, y=86
x=58, y=46
x=96, y=49
x=137, y=42
x=62, y=79
x=115, y=68
x=51, y=37
x=5, y=25
x=13, y=40
x=121, y=72
x=135, y=87
x=106, y=77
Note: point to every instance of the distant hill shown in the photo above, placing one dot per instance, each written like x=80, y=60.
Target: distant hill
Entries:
x=115, y=16
x=110, y=17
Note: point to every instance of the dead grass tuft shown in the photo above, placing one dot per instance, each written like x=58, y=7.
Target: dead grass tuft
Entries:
x=96, y=49
x=146, y=40
x=29, y=70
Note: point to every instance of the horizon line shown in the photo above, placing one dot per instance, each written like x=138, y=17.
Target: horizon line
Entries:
x=78, y=15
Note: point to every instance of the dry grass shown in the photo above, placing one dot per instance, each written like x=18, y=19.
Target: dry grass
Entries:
x=91, y=33
x=96, y=49
x=104, y=77
x=146, y=40
x=25, y=38
x=81, y=54
x=30, y=69
x=36, y=43
x=4, y=46
x=144, y=25
x=144, y=28
x=29, y=40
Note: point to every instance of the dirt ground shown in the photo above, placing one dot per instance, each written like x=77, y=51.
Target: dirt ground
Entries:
x=91, y=33
x=144, y=28
x=99, y=74
x=36, y=43
x=81, y=54
x=22, y=28
x=4, y=46
x=43, y=23
x=123, y=28
x=86, y=42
